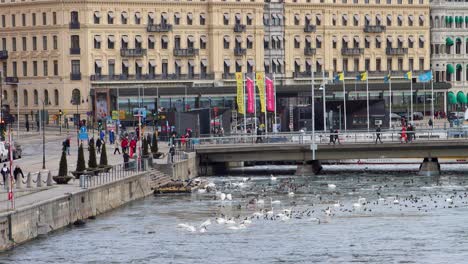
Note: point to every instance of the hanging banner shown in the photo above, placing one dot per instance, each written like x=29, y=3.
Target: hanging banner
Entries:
x=270, y=95
x=261, y=90
x=240, y=93
x=250, y=97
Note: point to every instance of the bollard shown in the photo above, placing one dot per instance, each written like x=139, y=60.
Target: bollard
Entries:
x=29, y=180
x=39, y=180
x=19, y=182
x=49, y=179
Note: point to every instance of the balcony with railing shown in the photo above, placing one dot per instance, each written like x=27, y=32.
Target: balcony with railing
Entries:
x=11, y=79
x=239, y=28
x=240, y=51
x=75, y=51
x=189, y=52
x=74, y=25
x=75, y=76
x=396, y=51
x=150, y=77
x=310, y=28
x=308, y=51
x=3, y=54
x=132, y=52
x=159, y=28
x=352, y=51
x=374, y=29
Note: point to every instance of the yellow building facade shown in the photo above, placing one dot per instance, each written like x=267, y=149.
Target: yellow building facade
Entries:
x=68, y=54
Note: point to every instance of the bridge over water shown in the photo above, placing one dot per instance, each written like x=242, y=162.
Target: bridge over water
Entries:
x=215, y=154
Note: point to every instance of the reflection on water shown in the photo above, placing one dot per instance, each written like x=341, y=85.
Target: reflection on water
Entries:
x=393, y=217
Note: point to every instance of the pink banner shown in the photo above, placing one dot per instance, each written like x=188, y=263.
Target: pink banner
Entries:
x=250, y=98
x=270, y=95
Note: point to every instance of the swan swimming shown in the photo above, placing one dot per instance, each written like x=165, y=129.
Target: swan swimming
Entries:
x=291, y=194
x=220, y=220
x=331, y=186
x=229, y=197
x=273, y=178
x=206, y=223
x=222, y=196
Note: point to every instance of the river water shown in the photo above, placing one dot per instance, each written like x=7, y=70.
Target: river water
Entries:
x=423, y=227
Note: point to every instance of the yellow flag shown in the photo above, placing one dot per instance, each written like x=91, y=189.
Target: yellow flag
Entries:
x=363, y=76
x=240, y=93
x=260, y=80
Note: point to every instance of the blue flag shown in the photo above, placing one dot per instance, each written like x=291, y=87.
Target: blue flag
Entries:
x=425, y=77
x=387, y=78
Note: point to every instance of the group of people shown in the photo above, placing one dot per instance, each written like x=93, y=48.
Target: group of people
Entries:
x=408, y=133
x=334, y=136
x=5, y=171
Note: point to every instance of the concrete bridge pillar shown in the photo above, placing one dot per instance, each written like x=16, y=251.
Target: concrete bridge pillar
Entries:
x=212, y=169
x=429, y=167
x=312, y=167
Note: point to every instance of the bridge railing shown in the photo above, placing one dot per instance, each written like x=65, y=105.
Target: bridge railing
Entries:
x=350, y=137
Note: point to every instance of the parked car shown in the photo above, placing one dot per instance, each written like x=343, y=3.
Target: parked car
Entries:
x=3, y=152
x=452, y=116
x=16, y=150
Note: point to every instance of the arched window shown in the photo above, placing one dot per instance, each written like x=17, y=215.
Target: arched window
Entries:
x=5, y=95
x=25, y=97
x=36, y=97
x=46, y=97
x=76, y=96
x=437, y=22
x=56, y=97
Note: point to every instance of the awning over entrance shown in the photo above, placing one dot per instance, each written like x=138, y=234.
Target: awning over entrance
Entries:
x=450, y=69
x=448, y=41
x=452, y=99
x=461, y=97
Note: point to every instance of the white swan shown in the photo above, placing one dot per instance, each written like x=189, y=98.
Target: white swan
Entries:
x=203, y=229
x=257, y=214
x=449, y=200
x=191, y=229
x=337, y=204
x=396, y=201
x=183, y=225
x=260, y=201
x=331, y=186
x=273, y=178
x=245, y=179
x=201, y=190
x=276, y=202
x=356, y=205
x=222, y=196
x=206, y=223
x=291, y=194
x=230, y=222
x=229, y=197
x=220, y=220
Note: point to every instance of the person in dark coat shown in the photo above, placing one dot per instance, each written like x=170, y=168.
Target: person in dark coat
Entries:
x=378, y=130
x=17, y=172
x=332, y=137
x=126, y=158
x=172, y=153
x=98, y=145
x=5, y=172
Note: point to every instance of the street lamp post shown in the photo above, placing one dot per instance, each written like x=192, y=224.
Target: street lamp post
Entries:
x=41, y=116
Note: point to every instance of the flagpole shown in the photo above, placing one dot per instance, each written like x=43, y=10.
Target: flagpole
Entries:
x=245, y=105
x=255, y=101
x=275, y=129
x=313, y=112
x=367, y=102
x=324, y=103
x=390, y=99
x=344, y=102
x=265, y=103
x=411, y=96
x=432, y=96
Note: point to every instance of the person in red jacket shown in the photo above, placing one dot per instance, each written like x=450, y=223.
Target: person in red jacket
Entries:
x=124, y=144
x=133, y=144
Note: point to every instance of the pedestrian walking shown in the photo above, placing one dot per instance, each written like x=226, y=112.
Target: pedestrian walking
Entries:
x=27, y=125
x=116, y=146
x=126, y=158
x=430, y=123
x=133, y=144
x=111, y=136
x=98, y=145
x=102, y=135
x=172, y=153
x=403, y=136
x=17, y=172
x=409, y=132
x=337, y=138
x=378, y=130
x=259, y=136
x=332, y=137
x=5, y=172
x=67, y=145
x=124, y=144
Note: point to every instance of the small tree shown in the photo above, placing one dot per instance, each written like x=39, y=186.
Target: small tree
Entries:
x=103, y=158
x=63, y=168
x=92, y=156
x=145, y=147
x=80, y=164
x=154, y=144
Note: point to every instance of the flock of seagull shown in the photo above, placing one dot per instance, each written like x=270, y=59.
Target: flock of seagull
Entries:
x=249, y=205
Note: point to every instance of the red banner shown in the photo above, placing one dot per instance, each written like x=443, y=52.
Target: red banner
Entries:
x=250, y=97
x=270, y=95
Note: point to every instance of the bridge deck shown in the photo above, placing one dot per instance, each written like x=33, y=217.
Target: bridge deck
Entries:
x=300, y=152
